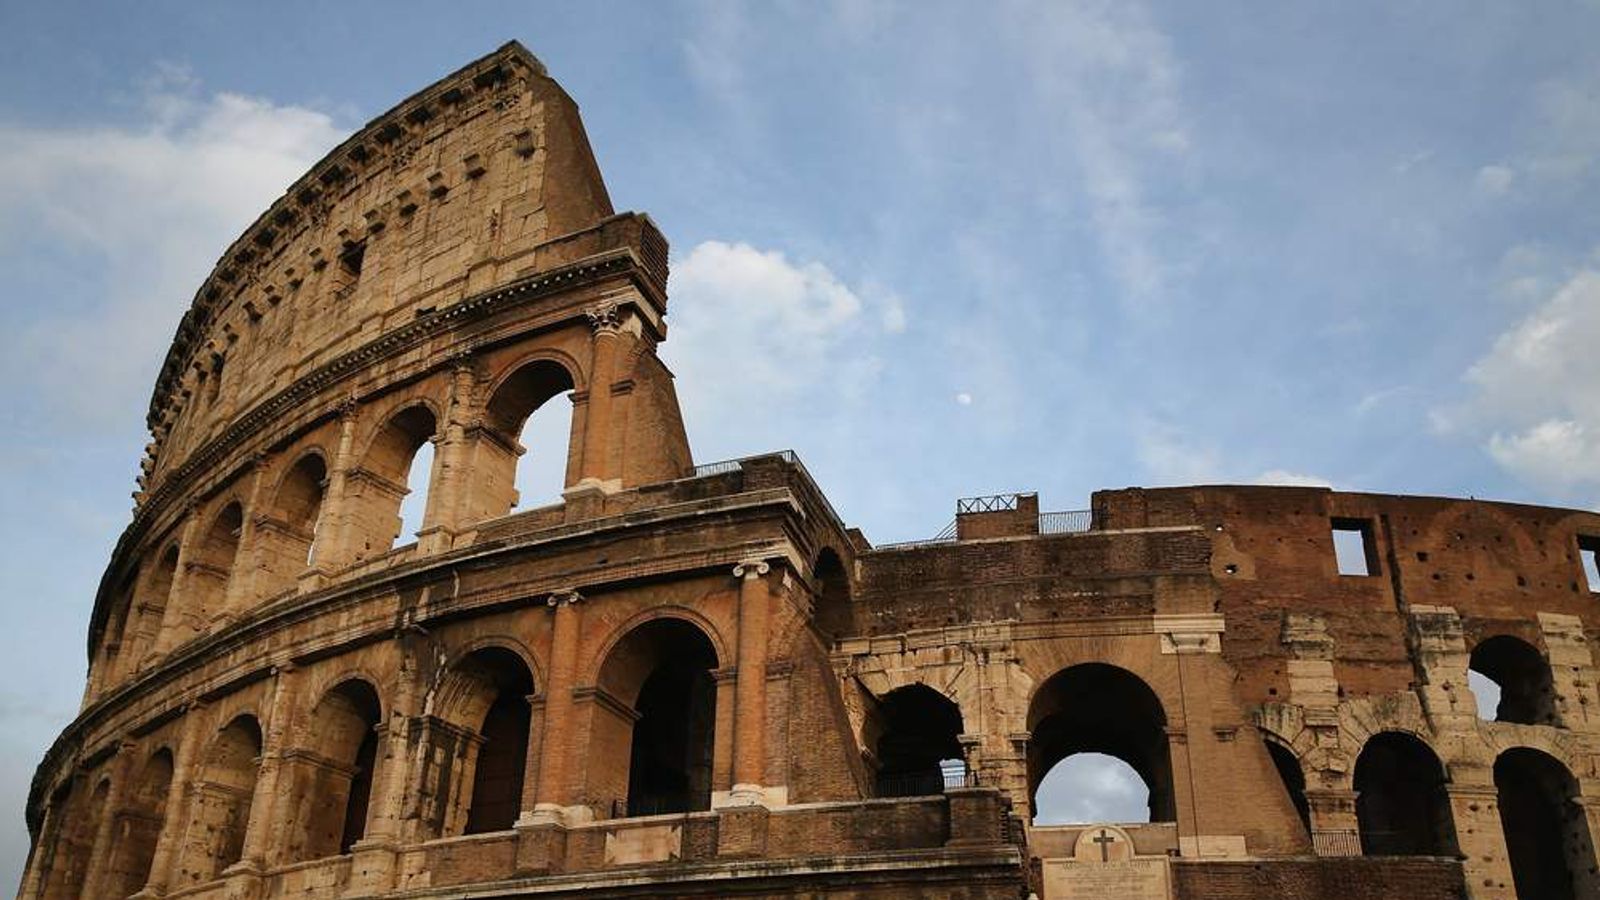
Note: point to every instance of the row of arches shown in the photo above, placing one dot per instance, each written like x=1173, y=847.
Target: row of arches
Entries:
x=326, y=512
x=1403, y=808
x=468, y=760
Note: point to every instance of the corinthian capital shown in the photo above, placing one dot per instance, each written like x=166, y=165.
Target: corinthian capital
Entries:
x=605, y=317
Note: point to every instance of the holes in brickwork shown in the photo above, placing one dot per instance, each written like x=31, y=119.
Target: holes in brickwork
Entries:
x=392, y=501
x=134, y=846
x=1547, y=835
x=288, y=546
x=1092, y=711
x=1401, y=805
x=336, y=789
x=1354, y=547
x=1511, y=680
x=1589, y=553
x=221, y=811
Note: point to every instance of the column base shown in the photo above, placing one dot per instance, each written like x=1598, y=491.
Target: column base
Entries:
x=541, y=846
x=591, y=487
x=372, y=866
x=544, y=814
x=769, y=797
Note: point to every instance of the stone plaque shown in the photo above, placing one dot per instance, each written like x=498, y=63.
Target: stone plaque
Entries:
x=643, y=844
x=1129, y=879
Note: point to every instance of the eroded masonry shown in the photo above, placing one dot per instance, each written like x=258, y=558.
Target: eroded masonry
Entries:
x=682, y=679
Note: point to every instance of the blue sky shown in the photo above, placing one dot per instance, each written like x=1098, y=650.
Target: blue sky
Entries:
x=940, y=253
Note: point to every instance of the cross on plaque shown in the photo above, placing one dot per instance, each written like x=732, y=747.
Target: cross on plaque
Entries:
x=1105, y=841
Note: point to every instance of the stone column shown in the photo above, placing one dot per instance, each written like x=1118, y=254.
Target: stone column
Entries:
x=242, y=583
x=102, y=847
x=750, y=686
x=172, y=617
x=189, y=753
x=1480, y=840
x=606, y=320
x=329, y=551
x=551, y=796
x=447, y=490
x=258, y=832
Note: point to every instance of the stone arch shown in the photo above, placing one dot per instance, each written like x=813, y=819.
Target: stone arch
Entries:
x=286, y=534
x=719, y=645
x=1548, y=841
x=1104, y=709
x=220, y=800
x=211, y=566
x=486, y=695
x=1290, y=772
x=378, y=486
x=1402, y=808
x=914, y=734
x=516, y=396
x=118, y=638
x=834, y=613
x=151, y=598
x=654, y=694
x=333, y=772
x=1522, y=673
x=138, y=824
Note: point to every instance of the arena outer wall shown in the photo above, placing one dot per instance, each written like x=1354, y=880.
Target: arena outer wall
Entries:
x=696, y=680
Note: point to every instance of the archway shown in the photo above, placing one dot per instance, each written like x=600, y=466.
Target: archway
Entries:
x=1293, y=778
x=211, y=567
x=334, y=779
x=488, y=693
x=660, y=703
x=914, y=732
x=1401, y=805
x=1522, y=675
x=1096, y=708
x=1547, y=834
x=153, y=598
x=138, y=826
x=219, y=810
x=287, y=536
x=529, y=464
x=386, y=481
x=834, y=615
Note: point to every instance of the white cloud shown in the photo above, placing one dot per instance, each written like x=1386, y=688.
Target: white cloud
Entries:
x=1494, y=180
x=753, y=330
x=963, y=399
x=1285, y=478
x=1110, y=74
x=1534, y=394
x=149, y=206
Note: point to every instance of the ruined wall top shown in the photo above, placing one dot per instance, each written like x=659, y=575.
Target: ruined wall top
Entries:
x=445, y=194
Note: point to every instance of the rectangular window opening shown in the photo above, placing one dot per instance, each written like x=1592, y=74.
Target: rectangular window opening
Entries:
x=1354, y=547
x=1589, y=550
x=351, y=258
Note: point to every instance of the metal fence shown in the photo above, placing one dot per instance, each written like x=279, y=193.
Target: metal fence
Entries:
x=1067, y=521
x=991, y=503
x=723, y=467
x=927, y=783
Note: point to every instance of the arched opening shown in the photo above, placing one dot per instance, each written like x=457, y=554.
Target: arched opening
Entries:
x=834, y=616
x=138, y=827
x=1401, y=805
x=1547, y=834
x=220, y=806
x=1091, y=787
x=118, y=635
x=388, y=474
x=211, y=566
x=1096, y=708
x=288, y=535
x=915, y=735
x=335, y=778
x=153, y=597
x=1293, y=778
x=491, y=688
x=660, y=703
x=65, y=844
x=528, y=464
x=1521, y=676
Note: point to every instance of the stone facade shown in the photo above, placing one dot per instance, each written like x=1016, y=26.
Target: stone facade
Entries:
x=696, y=680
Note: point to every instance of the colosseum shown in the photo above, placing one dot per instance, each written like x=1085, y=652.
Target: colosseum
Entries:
x=690, y=678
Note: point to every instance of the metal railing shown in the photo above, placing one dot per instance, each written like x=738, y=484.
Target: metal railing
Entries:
x=991, y=503
x=723, y=467
x=924, y=784
x=1067, y=521
x=659, y=804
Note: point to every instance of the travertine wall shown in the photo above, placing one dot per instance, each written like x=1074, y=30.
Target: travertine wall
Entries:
x=696, y=680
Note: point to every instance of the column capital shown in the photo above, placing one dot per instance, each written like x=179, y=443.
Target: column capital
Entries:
x=563, y=598
x=347, y=408
x=604, y=317
x=751, y=568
